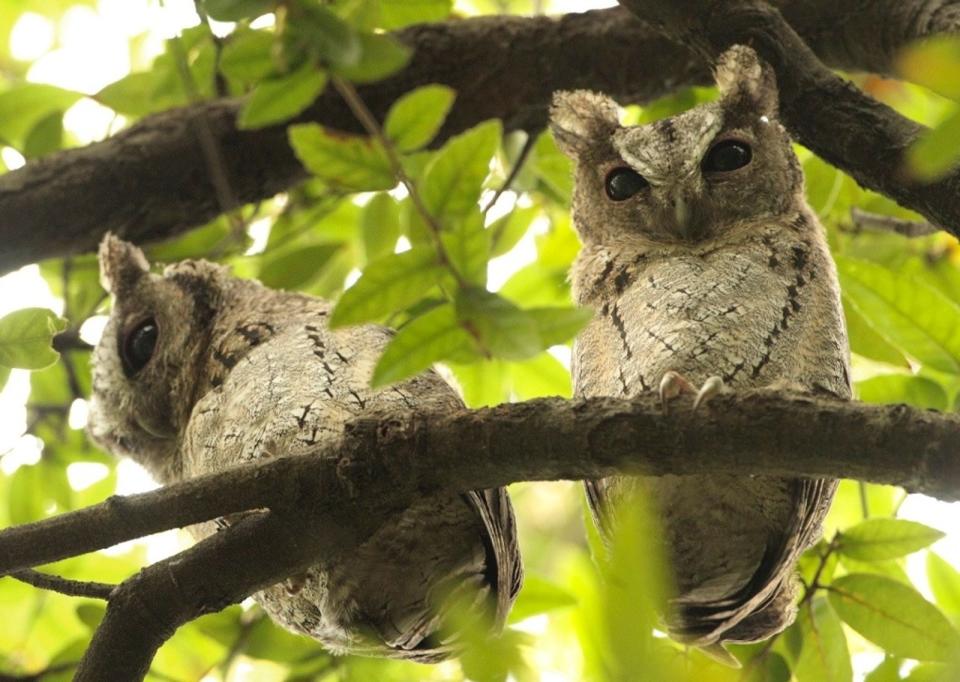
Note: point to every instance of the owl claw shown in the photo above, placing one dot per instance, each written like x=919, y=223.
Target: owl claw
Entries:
x=711, y=387
x=671, y=385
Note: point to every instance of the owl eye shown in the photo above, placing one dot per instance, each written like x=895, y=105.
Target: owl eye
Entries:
x=727, y=155
x=622, y=183
x=138, y=345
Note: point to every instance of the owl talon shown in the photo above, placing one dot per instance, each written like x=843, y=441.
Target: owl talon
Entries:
x=671, y=385
x=711, y=387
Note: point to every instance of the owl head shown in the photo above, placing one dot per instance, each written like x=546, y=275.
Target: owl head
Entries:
x=686, y=178
x=152, y=353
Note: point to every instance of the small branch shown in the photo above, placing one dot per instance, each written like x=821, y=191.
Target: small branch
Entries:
x=528, y=146
x=862, y=220
x=71, y=588
x=370, y=124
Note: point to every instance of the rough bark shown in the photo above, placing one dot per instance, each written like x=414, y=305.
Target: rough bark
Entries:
x=151, y=181
x=324, y=504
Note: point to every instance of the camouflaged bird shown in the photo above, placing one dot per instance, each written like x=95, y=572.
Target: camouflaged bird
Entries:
x=199, y=371
x=706, y=266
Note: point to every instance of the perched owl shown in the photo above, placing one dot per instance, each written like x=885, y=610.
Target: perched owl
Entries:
x=199, y=371
x=706, y=267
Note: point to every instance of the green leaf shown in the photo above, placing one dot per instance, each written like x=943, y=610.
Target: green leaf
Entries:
x=91, y=615
x=26, y=336
x=279, y=99
x=937, y=150
x=484, y=383
x=894, y=616
x=539, y=596
x=270, y=642
x=380, y=226
x=824, y=656
x=933, y=63
x=540, y=376
x=27, y=497
x=888, y=671
x=297, y=267
x=390, y=284
x=944, y=583
x=24, y=105
x=467, y=244
x=45, y=137
x=399, y=13
x=247, y=55
x=415, y=118
x=453, y=180
x=134, y=94
x=559, y=325
x=912, y=315
x=351, y=162
x=434, y=336
x=381, y=56
x=880, y=539
x=314, y=29
x=504, y=330
x=865, y=341
x=508, y=230
x=901, y=388
x=237, y=10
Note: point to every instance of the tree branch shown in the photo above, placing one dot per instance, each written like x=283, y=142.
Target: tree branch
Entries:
x=327, y=503
x=71, y=588
x=824, y=112
x=382, y=461
x=502, y=67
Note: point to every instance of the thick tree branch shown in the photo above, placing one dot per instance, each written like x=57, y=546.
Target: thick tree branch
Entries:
x=151, y=181
x=385, y=460
x=326, y=504
x=826, y=113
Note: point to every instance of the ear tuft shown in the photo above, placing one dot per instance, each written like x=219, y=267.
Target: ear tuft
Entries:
x=121, y=264
x=741, y=76
x=580, y=118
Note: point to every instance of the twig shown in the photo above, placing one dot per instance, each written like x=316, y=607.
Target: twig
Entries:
x=528, y=146
x=71, y=588
x=369, y=123
x=863, y=220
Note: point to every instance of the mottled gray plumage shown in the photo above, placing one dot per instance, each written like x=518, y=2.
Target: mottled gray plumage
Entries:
x=239, y=373
x=707, y=273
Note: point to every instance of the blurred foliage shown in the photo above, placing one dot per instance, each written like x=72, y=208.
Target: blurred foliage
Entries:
x=427, y=257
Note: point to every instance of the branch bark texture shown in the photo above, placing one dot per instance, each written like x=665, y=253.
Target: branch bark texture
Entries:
x=151, y=181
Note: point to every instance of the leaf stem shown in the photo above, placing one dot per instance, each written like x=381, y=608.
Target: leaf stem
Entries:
x=370, y=124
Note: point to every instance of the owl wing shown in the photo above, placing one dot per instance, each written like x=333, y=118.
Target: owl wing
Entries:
x=506, y=574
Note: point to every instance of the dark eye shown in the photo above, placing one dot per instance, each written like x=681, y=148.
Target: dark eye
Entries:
x=137, y=347
x=623, y=183
x=727, y=156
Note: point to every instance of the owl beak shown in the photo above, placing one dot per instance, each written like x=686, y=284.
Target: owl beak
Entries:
x=687, y=223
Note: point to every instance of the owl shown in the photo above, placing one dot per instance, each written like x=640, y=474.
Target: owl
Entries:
x=706, y=267
x=199, y=371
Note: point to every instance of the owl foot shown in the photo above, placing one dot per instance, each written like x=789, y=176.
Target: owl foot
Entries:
x=673, y=384
x=711, y=387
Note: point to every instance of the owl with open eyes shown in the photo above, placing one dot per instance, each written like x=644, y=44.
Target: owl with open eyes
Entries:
x=707, y=271
x=198, y=371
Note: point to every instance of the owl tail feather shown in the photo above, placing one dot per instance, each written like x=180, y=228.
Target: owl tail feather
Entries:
x=719, y=653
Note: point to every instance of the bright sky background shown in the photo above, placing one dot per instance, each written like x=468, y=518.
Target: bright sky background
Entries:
x=89, y=49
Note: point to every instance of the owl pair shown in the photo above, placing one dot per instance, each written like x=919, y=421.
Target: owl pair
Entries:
x=700, y=258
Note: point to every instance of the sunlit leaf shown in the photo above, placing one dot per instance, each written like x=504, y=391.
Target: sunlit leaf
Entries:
x=398, y=13
x=887, y=671
x=351, y=162
x=504, y=330
x=415, y=118
x=539, y=596
x=26, y=336
x=434, y=336
x=894, y=616
x=296, y=267
x=452, y=182
x=879, y=539
x=541, y=375
x=468, y=246
x=282, y=98
x=865, y=341
x=933, y=63
x=559, y=325
x=380, y=226
x=508, y=230
x=24, y=105
x=319, y=33
x=824, y=656
x=390, y=284
x=937, y=151
x=902, y=388
x=944, y=583
x=913, y=316
x=247, y=55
